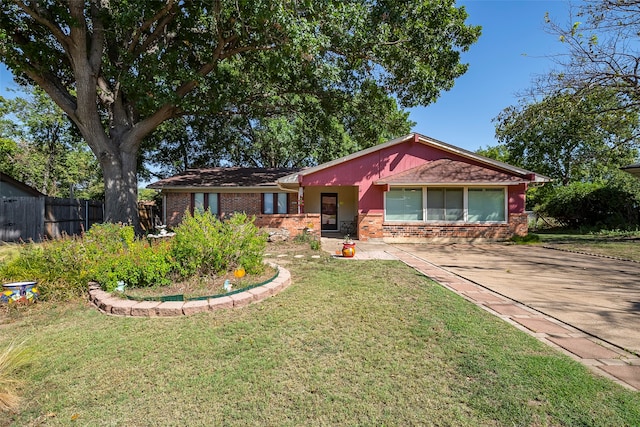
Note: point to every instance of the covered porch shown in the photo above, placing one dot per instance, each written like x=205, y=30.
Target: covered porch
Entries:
x=337, y=207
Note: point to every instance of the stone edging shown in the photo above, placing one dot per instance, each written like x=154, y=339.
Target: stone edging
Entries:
x=109, y=304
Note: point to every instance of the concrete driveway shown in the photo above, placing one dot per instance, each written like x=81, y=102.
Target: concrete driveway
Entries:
x=598, y=295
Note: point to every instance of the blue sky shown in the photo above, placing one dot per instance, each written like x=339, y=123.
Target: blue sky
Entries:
x=512, y=50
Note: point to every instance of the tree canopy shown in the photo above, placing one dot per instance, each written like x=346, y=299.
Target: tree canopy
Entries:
x=570, y=137
x=41, y=147
x=309, y=131
x=121, y=69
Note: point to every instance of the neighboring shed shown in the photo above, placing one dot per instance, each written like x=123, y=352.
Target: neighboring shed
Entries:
x=21, y=211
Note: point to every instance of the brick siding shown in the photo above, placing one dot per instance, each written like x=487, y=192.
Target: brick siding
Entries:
x=372, y=226
x=251, y=204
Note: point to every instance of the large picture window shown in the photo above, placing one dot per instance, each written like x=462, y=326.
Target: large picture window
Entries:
x=446, y=204
x=275, y=203
x=404, y=204
x=486, y=204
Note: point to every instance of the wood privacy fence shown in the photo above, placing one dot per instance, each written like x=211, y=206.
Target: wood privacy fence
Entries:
x=70, y=216
x=35, y=218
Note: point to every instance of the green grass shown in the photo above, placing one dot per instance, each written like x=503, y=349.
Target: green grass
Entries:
x=626, y=246
x=349, y=343
x=8, y=251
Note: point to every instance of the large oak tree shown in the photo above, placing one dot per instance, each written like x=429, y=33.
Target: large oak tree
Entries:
x=119, y=69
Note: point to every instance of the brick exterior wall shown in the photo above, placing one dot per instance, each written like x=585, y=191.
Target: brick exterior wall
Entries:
x=250, y=203
x=372, y=226
x=176, y=204
x=294, y=223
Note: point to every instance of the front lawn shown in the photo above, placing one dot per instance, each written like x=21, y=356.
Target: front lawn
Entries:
x=349, y=343
x=625, y=246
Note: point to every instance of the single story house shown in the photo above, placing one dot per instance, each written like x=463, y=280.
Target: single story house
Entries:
x=408, y=189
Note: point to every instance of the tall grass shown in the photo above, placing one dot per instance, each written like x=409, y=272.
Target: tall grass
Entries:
x=12, y=358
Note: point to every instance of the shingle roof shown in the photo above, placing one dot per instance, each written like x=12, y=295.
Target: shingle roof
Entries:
x=223, y=177
x=448, y=171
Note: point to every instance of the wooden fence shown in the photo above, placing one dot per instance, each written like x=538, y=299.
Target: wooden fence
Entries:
x=70, y=216
x=36, y=218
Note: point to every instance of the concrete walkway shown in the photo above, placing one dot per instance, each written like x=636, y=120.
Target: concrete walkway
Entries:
x=587, y=307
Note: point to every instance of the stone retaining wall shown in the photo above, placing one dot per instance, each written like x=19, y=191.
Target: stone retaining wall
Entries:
x=113, y=305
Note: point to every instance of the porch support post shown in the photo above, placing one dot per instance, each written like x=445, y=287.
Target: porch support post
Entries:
x=300, y=199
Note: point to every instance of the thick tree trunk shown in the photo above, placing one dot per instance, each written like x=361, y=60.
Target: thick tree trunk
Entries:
x=121, y=188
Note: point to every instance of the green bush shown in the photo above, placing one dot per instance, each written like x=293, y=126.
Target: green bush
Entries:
x=203, y=244
x=110, y=255
x=139, y=265
x=59, y=266
x=245, y=244
x=593, y=205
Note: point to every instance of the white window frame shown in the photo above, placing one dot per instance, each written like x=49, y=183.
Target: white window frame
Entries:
x=465, y=201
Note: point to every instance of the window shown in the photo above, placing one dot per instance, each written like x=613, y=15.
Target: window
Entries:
x=486, y=204
x=205, y=201
x=446, y=204
x=275, y=203
x=404, y=204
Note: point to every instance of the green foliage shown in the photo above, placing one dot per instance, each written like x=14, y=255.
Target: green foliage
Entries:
x=245, y=244
x=110, y=254
x=40, y=146
x=306, y=237
x=203, y=244
x=570, y=137
x=525, y=240
x=248, y=59
x=139, y=265
x=599, y=205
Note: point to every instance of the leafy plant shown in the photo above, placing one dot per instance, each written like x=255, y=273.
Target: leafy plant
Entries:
x=203, y=244
x=306, y=237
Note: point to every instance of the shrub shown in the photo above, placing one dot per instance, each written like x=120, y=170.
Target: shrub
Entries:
x=139, y=265
x=59, y=266
x=203, y=244
x=245, y=244
x=306, y=237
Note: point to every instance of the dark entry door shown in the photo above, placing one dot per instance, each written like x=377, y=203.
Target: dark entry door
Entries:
x=329, y=211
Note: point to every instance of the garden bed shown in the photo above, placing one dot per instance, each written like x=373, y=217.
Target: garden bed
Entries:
x=203, y=287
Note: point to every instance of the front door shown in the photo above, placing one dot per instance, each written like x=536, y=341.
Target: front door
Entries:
x=329, y=211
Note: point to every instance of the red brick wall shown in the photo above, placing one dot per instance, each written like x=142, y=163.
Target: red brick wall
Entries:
x=294, y=223
x=176, y=204
x=372, y=226
x=250, y=203
x=369, y=226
